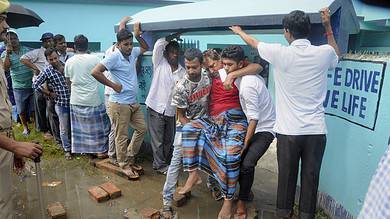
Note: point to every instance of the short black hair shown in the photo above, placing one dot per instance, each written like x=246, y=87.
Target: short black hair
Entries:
x=123, y=34
x=58, y=37
x=193, y=53
x=172, y=45
x=81, y=43
x=49, y=51
x=235, y=53
x=298, y=24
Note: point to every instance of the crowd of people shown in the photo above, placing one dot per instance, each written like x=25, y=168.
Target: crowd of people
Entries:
x=214, y=113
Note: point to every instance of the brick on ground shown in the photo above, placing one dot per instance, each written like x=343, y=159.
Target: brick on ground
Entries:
x=111, y=189
x=106, y=165
x=150, y=213
x=56, y=211
x=98, y=194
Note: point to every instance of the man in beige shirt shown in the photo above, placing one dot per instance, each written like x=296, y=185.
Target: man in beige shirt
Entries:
x=11, y=151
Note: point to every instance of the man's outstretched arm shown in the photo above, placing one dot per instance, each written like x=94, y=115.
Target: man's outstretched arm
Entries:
x=250, y=40
x=329, y=32
x=141, y=41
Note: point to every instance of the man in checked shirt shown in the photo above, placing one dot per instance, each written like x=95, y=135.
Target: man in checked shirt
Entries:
x=53, y=74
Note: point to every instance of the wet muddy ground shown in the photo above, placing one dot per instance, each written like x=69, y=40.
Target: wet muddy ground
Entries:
x=78, y=175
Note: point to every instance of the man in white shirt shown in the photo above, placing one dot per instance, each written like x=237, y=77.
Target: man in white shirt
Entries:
x=256, y=102
x=300, y=71
x=161, y=114
x=89, y=121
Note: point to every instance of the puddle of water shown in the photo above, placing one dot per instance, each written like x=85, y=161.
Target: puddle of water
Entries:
x=77, y=177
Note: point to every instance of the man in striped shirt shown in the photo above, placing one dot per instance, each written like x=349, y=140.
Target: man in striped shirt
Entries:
x=21, y=77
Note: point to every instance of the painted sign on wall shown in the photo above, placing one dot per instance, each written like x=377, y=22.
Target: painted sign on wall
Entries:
x=144, y=78
x=354, y=91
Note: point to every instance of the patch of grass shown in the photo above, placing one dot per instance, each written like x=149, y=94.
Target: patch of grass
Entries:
x=51, y=150
x=321, y=214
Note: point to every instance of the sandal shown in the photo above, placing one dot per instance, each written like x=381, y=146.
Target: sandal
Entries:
x=130, y=173
x=136, y=167
x=26, y=133
x=101, y=155
x=68, y=156
x=167, y=212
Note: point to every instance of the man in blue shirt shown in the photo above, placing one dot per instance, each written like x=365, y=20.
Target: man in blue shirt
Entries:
x=124, y=109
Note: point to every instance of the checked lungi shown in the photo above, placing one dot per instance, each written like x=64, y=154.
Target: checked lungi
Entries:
x=90, y=127
x=214, y=145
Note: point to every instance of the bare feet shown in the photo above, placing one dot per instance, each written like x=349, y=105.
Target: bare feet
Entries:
x=226, y=210
x=193, y=179
x=241, y=210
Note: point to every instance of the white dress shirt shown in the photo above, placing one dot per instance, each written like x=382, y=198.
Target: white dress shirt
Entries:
x=164, y=81
x=300, y=73
x=256, y=102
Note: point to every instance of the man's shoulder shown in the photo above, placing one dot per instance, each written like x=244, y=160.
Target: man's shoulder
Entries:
x=182, y=83
x=323, y=48
x=48, y=70
x=84, y=57
x=35, y=52
x=116, y=54
x=251, y=81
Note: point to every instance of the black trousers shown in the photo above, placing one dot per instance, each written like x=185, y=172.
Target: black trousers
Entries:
x=162, y=131
x=290, y=150
x=41, y=122
x=258, y=145
x=54, y=121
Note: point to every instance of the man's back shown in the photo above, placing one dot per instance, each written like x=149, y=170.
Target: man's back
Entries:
x=300, y=72
x=84, y=88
